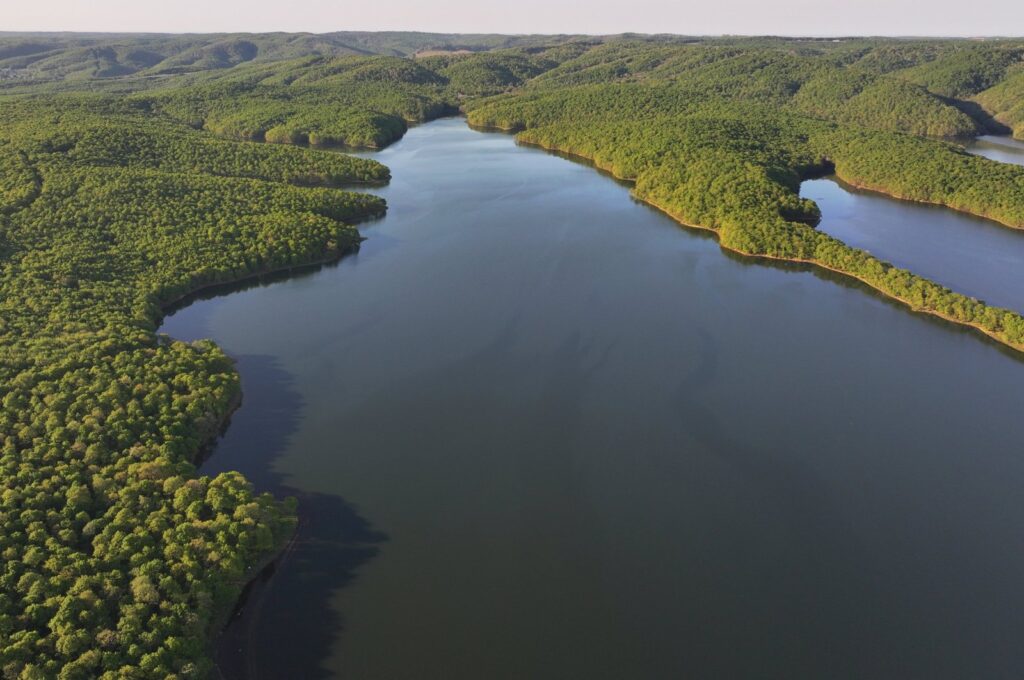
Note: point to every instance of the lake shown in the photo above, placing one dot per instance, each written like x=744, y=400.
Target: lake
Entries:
x=538, y=430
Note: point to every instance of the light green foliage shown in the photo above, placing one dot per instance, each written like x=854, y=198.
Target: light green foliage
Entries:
x=927, y=170
x=117, y=557
x=489, y=73
x=732, y=162
x=857, y=98
x=1006, y=101
x=965, y=69
x=126, y=182
x=347, y=101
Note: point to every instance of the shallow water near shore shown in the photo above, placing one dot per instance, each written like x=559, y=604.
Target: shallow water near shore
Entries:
x=538, y=430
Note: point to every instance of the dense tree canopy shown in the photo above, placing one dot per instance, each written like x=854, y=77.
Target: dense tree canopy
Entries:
x=117, y=557
x=129, y=178
x=1005, y=101
x=720, y=138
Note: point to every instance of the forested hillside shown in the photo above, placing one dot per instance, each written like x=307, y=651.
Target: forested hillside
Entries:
x=1005, y=101
x=37, y=57
x=117, y=557
x=720, y=137
x=137, y=169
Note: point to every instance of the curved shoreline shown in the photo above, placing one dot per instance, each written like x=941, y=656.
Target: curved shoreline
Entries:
x=1019, y=348
x=846, y=274
x=221, y=619
x=185, y=299
x=515, y=130
x=274, y=559
x=883, y=192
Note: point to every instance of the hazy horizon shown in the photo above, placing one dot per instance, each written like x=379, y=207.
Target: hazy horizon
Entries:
x=784, y=18
x=795, y=36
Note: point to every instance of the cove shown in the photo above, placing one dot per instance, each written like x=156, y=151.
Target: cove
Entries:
x=968, y=254
x=538, y=430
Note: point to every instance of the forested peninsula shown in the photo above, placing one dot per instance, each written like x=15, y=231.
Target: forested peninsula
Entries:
x=135, y=170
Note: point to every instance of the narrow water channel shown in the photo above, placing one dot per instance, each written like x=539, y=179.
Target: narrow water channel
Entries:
x=538, y=430
x=971, y=255
x=998, y=148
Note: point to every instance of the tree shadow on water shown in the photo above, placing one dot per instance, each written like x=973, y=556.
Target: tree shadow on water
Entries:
x=284, y=625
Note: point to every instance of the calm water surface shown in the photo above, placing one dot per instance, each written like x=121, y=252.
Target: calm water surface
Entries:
x=968, y=254
x=537, y=430
x=998, y=148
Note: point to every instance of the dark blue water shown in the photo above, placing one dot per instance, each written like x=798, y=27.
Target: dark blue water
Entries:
x=537, y=430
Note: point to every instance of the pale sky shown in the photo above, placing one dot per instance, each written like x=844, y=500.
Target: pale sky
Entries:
x=703, y=17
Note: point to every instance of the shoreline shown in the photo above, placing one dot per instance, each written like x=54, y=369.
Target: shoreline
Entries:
x=279, y=552
x=814, y=263
x=1017, y=349
x=883, y=192
x=222, y=618
x=342, y=147
x=288, y=541
x=185, y=299
x=266, y=565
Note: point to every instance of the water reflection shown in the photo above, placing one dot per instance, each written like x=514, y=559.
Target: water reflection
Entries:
x=599, y=448
x=968, y=254
x=998, y=148
x=332, y=541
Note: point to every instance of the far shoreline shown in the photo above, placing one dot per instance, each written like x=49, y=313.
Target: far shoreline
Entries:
x=1018, y=349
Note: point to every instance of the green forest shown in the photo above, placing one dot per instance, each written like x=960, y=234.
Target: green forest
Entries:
x=135, y=170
